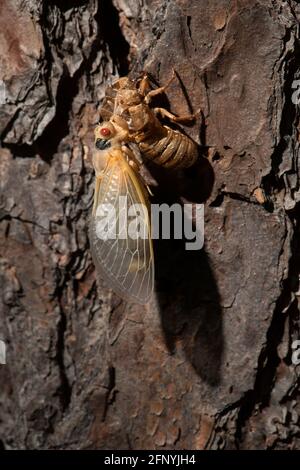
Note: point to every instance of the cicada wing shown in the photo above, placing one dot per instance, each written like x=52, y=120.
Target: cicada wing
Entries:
x=123, y=256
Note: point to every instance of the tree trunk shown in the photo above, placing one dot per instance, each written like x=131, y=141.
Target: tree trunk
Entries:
x=208, y=363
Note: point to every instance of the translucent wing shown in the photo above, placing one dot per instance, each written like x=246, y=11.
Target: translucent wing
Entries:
x=124, y=259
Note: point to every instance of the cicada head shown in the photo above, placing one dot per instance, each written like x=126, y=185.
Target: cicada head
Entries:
x=105, y=133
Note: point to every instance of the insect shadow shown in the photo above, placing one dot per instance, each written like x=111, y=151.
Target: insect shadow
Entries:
x=187, y=292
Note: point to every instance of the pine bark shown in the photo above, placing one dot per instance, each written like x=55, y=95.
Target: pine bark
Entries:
x=207, y=364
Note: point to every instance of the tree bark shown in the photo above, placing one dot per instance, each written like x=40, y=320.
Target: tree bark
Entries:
x=207, y=364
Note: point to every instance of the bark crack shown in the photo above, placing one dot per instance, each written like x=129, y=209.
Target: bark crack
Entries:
x=111, y=391
x=65, y=391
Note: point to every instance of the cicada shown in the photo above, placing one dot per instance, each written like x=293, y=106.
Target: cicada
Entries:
x=126, y=259
x=120, y=226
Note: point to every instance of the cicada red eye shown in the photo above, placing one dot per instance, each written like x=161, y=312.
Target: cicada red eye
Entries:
x=105, y=132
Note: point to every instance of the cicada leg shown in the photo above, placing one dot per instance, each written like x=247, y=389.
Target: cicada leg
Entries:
x=135, y=165
x=132, y=160
x=172, y=117
x=157, y=91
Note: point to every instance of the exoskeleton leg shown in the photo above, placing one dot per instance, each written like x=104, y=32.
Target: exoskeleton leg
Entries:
x=157, y=91
x=144, y=85
x=167, y=114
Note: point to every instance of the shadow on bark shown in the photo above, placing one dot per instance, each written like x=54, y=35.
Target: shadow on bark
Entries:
x=190, y=309
x=187, y=292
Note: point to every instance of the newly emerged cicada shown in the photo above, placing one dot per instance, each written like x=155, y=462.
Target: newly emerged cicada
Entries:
x=122, y=248
x=120, y=228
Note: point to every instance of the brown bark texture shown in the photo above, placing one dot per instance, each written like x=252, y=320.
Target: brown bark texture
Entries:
x=207, y=364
